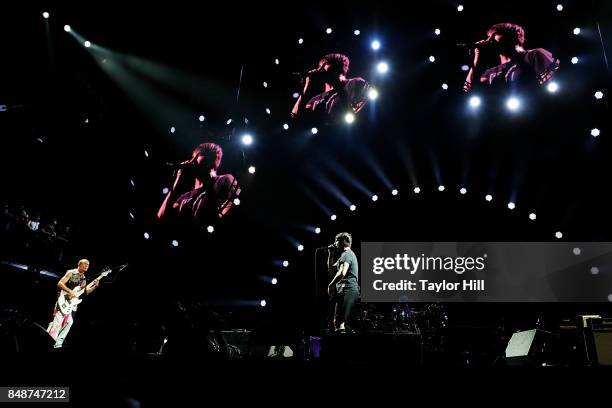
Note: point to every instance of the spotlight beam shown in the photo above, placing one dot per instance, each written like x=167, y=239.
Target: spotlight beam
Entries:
x=375, y=167
x=344, y=174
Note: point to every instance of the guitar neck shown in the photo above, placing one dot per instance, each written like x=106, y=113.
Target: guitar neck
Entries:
x=93, y=281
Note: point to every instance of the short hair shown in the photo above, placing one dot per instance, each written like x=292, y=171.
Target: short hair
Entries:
x=339, y=61
x=212, y=148
x=82, y=261
x=344, y=238
x=513, y=31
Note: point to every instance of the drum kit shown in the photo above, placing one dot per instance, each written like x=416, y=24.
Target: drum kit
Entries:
x=427, y=319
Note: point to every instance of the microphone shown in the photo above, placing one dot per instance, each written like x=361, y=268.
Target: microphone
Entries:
x=308, y=73
x=476, y=44
x=181, y=165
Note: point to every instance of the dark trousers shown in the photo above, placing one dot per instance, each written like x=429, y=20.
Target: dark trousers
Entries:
x=345, y=301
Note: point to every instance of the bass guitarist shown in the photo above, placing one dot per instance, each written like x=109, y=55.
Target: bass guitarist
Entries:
x=71, y=285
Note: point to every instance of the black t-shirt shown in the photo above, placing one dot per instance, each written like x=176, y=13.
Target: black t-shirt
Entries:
x=335, y=103
x=531, y=67
x=205, y=204
x=351, y=279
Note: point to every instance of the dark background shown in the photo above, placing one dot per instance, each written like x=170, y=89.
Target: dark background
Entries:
x=189, y=63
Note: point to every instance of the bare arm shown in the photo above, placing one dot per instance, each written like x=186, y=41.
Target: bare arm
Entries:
x=302, y=99
x=469, y=80
x=92, y=286
x=173, y=194
x=342, y=269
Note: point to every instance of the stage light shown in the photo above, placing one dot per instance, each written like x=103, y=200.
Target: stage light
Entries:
x=599, y=95
x=463, y=190
x=132, y=216
x=574, y=60
x=285, y=126
x=201, y=118
x=375, y=45
x=228, y=121
x=558, y=235
x=374, y=197
x=236, y=201
x=329, y=30
x=276, y=61
x=594, y=270
x=301, y=41
x=67, y=28
x=146, y=235
x=247, y=140
x=314, y=130
x=268, y=111
x=382, y=67
x=577, y=251
x=296, y=95
x=317, y=230
x=475, y=101
x=333, y=217
x=87, y=44
x=532, y=216
x=210, y=229
x=300, y=247
x=460, y=7
x=559, y=7
x=356, y=32
x=576, y=31
x=394, y=192
x=552, y=87
x=513, y=104
x=373, y=94
x=511, y=205
x=441, y=187
x=45, y=15
x=432, y=58
x=146, y=153
x=174, y=243
x=353, y=207
x=445, y=86
x=437, y=31
x=349, y=118
x=262, y=303
x=165, y=190
x=417, y=190
x=274, y=281
x=172, y=129
x=132, y=183
x=252, y=169
x=285, y=263
x=488, y=197
x=595, y=132
x=465, y=68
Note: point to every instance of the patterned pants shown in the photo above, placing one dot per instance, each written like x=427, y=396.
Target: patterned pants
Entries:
x=60, y=326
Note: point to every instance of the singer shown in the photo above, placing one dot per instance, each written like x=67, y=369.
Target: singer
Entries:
x=518, y=67
x=344, y=286
x=199, y=196
x=340, y=95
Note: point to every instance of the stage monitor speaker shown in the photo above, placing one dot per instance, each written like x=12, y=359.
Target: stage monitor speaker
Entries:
x=33, y=338
x=529, y=347
x=603, y=347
